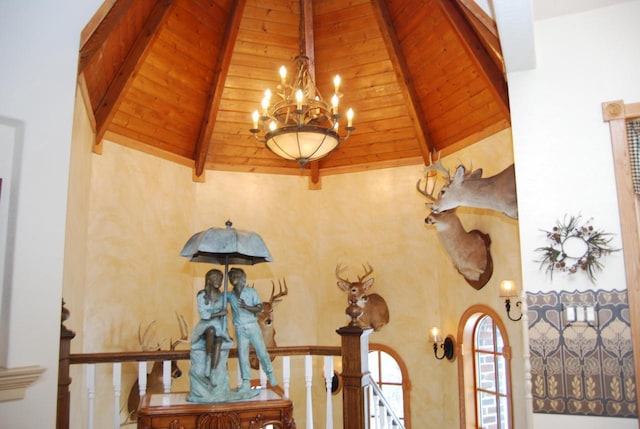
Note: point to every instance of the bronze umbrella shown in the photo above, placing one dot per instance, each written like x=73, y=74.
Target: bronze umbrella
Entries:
x=226, y=246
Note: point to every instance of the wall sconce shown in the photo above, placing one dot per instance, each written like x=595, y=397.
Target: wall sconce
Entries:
x=508, y=291
x=447, y=345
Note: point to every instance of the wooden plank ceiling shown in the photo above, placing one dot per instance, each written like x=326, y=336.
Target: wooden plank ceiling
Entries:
x=180, y=78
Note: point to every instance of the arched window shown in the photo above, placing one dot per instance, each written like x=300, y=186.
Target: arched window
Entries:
x=485, y=370
x=390, y=374
x=491, y=375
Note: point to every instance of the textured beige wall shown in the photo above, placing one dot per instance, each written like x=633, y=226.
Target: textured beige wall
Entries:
x=143, y=210
x=140, y=208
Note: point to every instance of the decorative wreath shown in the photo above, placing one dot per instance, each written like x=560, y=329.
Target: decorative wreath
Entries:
x=575, y=247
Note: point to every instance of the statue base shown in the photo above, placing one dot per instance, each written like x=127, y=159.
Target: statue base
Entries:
x=170, y=410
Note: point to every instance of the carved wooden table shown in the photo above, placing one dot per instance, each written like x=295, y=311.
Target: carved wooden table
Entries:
x=172, y=411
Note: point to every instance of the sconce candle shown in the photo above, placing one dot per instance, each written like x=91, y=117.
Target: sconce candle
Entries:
x=508, y=291
x=435, y=335
x=446, y=345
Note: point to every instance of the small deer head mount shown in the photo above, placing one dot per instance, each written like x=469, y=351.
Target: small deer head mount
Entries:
x=364, y=310
x=265, y=319
x=154, y=382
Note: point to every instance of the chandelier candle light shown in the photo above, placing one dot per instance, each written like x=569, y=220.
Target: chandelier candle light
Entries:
x=300, y=126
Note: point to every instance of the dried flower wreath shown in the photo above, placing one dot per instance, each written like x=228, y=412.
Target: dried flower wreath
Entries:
x=575, y=247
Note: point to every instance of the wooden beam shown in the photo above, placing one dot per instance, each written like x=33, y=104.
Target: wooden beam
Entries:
x=404, y=78
x=99, y=28
x=86, y=100
x=472, y=43
x=315, y=183
x=617, y=113
x=481, y=16
x=215, y=93
x=487, y=31
x=114, y=95
x=309, y=36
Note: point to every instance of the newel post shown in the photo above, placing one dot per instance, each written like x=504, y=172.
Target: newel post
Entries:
x=355, y=372
x=64, y=379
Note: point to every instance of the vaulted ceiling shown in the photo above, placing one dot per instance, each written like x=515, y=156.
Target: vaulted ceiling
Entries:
x=180, y=78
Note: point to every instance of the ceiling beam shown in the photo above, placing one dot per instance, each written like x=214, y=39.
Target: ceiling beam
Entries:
x=486, y=29
x=215, y=92
x=472, y=43
x=114, y=94
x=306, y=11
x=108, y=20
x=404, y=78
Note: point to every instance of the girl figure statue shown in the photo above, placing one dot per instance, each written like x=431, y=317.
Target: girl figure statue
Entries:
x=210, y=344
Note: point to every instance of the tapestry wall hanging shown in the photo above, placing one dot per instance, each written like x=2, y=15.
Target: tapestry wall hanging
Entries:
x=582, y=366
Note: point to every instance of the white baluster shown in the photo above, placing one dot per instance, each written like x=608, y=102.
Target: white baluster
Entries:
x=91, y=393
x=308, y=375
x=117, y=385
x=142, y=378
x=376, y=410
x=286, y=374
x=328, y=379
x=166, y=376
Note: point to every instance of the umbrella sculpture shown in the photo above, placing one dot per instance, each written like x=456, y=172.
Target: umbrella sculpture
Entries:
x=220, y=246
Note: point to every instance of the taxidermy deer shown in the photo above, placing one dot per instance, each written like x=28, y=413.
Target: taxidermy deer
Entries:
x=469, y=251
x=375, y=312
x=265, y=319
x=154, y=378
x=470, y=189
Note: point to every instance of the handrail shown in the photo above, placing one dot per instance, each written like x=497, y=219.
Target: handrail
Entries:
x=352, y=351
x=386, y=404
x=164, y=355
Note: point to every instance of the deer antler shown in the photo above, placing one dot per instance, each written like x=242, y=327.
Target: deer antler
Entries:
x=143, y=338
x=367, y=272
x=431, y=172
x=281, y=293
x=339, y=269
x=184, y=331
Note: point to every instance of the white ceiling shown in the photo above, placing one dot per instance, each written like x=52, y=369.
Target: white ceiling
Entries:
x=543, y=9
x=515, y=22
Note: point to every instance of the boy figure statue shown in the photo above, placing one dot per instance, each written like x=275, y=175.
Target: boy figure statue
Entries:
x=245, y=304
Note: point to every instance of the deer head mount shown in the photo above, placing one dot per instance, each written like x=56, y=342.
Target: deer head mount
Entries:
x=154, y=383
x=364, y=310
x=470, y=189
x=468, y=250
x=265, y=319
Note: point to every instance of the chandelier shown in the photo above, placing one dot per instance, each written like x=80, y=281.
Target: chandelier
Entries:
x=300, y=125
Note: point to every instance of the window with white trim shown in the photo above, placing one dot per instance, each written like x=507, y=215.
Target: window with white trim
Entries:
x=389, y=373
x=491, y=375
